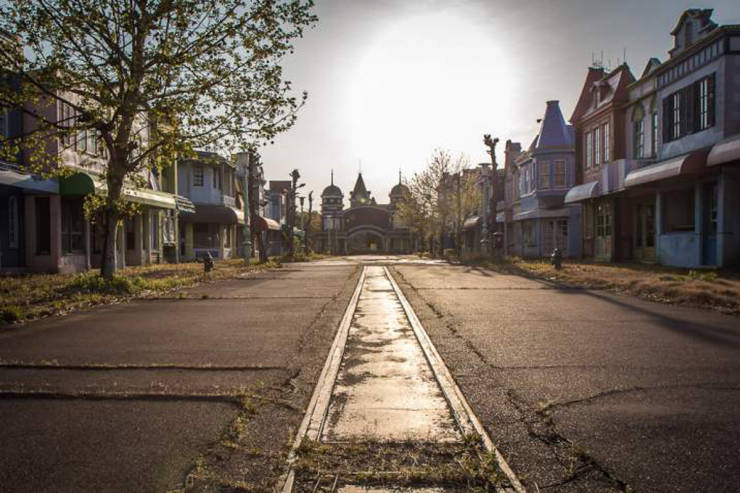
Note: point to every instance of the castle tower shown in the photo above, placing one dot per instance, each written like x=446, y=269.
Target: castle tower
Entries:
x=360, y=195
x=332, y=204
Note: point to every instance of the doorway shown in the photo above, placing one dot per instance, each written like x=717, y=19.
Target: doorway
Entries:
x=709, y=230
x=645, y=232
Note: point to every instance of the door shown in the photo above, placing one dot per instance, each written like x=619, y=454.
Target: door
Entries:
x=709, y=230
x=603, y=240
x=645, y=232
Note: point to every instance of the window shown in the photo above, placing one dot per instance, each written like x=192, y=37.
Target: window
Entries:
x=703, y=104
x=654, y=134
x=689, y=110
x=605, y=132
x=559, y=173
x=154, y=222
x=603, y=220
x=82, y=141
x=589, y=150
x=544, y=174
x=678, y=211
x=597, y=146
x=638, y=136
x=216, y=178
x=13, y=222
x=676, y=116
x=197, y=176
x=43, y=226
x=72, y=226
x=67, y=114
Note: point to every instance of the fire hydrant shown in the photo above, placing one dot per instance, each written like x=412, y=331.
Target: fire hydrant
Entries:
x=556, y=259
x=207, y=263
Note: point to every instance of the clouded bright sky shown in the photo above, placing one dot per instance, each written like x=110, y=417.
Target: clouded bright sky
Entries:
x=391, y=80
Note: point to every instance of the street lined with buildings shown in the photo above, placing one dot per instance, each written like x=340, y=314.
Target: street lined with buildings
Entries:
x=579, y=390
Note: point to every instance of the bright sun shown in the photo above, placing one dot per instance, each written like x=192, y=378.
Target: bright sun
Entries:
x=429, y=81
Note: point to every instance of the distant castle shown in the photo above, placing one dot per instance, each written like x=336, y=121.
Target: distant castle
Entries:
x=366, y=227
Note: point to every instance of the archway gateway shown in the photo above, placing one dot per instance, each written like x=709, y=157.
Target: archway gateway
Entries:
x=365, y=241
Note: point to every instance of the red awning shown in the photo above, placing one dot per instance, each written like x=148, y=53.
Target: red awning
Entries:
x=265, y=223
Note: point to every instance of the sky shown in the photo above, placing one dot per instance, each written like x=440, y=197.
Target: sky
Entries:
x=390, y=81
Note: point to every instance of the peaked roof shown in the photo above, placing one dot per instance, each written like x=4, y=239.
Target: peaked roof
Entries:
x=554, y=133
x=584, y=100
x=652, y=64
x=359, y=186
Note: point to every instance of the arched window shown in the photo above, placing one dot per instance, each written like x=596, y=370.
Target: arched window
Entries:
x=638, y=132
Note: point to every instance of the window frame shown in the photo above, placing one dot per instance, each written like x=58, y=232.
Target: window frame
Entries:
x=557, y=173
x=198, y=175
x=605, y=135
x=597, y=145
x=638, y=139
x=72, y=217
x=588, y=150
x=543, y=175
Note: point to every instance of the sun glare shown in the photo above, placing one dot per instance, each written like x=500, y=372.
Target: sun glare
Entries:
x=429, y=81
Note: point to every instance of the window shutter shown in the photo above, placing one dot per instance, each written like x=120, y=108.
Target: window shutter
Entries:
x=667, y=120
x=710, y=101
x=686, y=110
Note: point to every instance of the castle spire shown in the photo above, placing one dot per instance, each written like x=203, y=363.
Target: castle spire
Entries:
x=399, y=176
x=332, y=176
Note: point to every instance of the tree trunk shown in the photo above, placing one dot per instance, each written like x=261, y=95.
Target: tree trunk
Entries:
x=111, y=216
x=108, y=263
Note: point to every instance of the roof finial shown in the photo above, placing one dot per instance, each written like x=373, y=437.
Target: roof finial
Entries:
x=359, y=166
x=399, y=176
x=332, y=176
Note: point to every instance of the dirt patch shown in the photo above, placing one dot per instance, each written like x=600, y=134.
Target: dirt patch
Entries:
x=465, y=466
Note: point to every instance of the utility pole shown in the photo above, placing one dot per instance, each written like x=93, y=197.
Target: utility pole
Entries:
x=458, y=229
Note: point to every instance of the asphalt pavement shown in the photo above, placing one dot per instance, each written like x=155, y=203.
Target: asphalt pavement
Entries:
x=587, y=390
x=138, y=396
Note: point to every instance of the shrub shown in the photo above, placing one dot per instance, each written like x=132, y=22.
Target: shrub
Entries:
x=12, y=313
x=93, y=283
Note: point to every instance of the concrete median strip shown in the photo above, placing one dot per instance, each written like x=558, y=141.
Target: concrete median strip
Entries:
x=386, y=412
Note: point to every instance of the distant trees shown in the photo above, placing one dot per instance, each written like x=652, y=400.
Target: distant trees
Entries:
x=149, y=79
x=440, y=197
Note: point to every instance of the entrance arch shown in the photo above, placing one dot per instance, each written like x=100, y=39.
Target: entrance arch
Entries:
x=365, y=240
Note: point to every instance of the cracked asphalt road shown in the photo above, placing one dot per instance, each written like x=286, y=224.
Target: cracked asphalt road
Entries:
x=585, y=390
x=129, y=397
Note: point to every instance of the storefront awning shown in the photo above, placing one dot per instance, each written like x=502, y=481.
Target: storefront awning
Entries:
x=85, y=183
x=725, y=151
x=211, y=213
x=586, y=191
x=10, y=175
x=541, y=214
x=265, y=223
x=472, y=222
x=682, y=165
x=184, y=205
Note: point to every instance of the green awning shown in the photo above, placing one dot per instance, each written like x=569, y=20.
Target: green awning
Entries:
x=83, y=183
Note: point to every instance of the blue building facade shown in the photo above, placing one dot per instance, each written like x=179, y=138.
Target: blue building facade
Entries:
x=541, y=221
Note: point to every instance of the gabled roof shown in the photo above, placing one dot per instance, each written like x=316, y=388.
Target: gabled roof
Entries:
x=554, y=133
x=703, y=15
x=652, y=64
x=612, y=87
x=584, y=100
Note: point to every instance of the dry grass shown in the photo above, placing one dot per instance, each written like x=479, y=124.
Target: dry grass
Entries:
x=705, y=288
x=31, y=296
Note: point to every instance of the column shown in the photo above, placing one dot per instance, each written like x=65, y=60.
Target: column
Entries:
x=86, y=232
